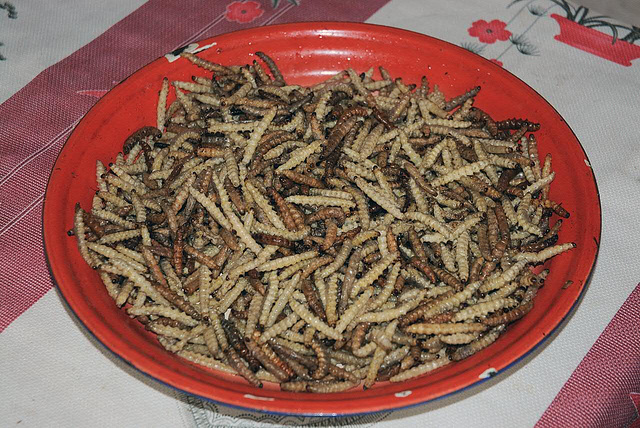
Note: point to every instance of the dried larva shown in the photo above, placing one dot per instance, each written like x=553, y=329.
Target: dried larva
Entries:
x=286, y=261
x=314, y=321
x=481, y=309
x=164, y=311
x=427, y=108
x=504, y=278
x=545, y=254
x=354, y=310
x=389, y=287
x=420, y=370
x=478, y=344
x=380, y=198
x=458, y=338
x=448, y=328
x=218, y=216
x=373, y=273
x=283, y=299
x=279, y=327
x=392, y=314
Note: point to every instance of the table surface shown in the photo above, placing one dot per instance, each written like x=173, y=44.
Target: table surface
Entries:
x=57, y=59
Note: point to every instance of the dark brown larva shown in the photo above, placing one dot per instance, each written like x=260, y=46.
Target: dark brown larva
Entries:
x=326, y=213
x=313, y=300
x=275, y=71
x=424, y=267
x=509, y=317
x=235, y=361
x=237, y=343
x=139, y=135
x=460, y=99
x=266, y=239
x=517, y=124
x=448, y=278
x=300, y=178
x=481, y=116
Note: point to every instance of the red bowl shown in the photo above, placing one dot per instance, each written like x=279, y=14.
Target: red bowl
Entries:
x=307, y=53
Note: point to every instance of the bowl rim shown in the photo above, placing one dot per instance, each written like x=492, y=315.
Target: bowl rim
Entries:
x=309, y=27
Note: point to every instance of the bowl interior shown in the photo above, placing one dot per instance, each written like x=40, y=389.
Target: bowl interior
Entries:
x=308, y=53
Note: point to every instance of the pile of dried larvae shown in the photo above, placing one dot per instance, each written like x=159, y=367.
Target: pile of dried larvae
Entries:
x=322, y=237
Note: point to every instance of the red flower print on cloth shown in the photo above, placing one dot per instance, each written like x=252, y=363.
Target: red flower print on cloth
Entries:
x=489, y=32
x=243, y=11
x=495, y=61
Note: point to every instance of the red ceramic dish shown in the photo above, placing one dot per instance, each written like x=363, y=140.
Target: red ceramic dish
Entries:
x=306, y=53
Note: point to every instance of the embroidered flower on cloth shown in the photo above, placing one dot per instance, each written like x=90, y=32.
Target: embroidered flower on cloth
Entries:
x=489, y=32
x=243, y=11
x=495, y=61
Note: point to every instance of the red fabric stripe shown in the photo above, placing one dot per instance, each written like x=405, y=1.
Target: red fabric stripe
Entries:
x=41, y=112
x=598, y=392
x=24, y=276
